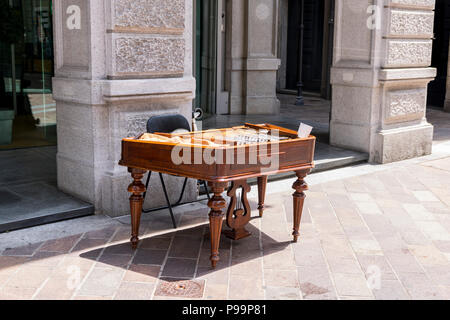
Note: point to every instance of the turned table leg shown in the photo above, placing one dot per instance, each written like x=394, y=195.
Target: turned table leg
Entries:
x=217, y=203
x=262, y=184
x=137, y=188
x=300, y=186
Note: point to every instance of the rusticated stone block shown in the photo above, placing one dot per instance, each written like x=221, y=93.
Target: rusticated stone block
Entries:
x=406, y=53
x=411, y=23
x=137, y=124
x=404, y=105
x=420, y=3
x=149, y=57
x=149, y=16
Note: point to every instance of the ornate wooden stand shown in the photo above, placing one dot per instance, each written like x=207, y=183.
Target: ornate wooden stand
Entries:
x=300, y=187
x=137, y=188
x=262, y=183
x=217, y=203
x=239, y=211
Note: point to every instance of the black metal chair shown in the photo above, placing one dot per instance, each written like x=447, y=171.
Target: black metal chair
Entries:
x=169, y=123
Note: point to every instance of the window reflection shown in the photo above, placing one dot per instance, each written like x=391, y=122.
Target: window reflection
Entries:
x=27, y=111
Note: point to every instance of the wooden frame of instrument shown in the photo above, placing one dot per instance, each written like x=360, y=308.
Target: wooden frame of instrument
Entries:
x=294, y=154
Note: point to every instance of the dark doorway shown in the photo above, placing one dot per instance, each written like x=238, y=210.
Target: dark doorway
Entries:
x=313, y=40
x=26, y=69
x=437, y=88
x=206, y=52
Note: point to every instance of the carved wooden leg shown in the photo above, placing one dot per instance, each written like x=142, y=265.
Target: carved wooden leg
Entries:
x=216, y=203
x=299, y=198
x=262, y=183
x=239, y=212
x=137, y=188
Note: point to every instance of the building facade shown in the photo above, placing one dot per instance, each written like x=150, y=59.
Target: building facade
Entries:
x=118, y=62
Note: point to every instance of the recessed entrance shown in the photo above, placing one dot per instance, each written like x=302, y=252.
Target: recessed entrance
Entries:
x=316, y=43
x=437, y=88
x=28, y=135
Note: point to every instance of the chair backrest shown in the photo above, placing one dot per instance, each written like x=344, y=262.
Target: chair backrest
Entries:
x=167, y=123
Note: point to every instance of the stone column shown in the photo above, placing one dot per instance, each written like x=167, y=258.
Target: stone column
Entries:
x=252, y=61
x=118, y=62
x=380, y=76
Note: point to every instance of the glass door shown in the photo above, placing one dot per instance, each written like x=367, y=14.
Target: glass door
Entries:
x=29, y=194
x=206, y=55
x=27, y=111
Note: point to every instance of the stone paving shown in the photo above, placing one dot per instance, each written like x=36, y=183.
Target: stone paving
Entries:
x=383, y=233
x=368, y=232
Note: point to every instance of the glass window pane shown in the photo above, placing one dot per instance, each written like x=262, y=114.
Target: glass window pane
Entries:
x=26, y=60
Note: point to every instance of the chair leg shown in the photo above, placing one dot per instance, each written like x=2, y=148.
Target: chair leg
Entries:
x=146, y=187
x=182, y=192
x=168, y=200
x=205, y=185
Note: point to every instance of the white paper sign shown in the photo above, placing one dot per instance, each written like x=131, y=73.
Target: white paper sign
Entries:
x=304, y=131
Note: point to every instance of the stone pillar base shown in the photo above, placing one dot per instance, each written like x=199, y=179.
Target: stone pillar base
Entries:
x=76, y=179
x=262, y=105
x=403, y=143
x=447, y=106
x=350, y=136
